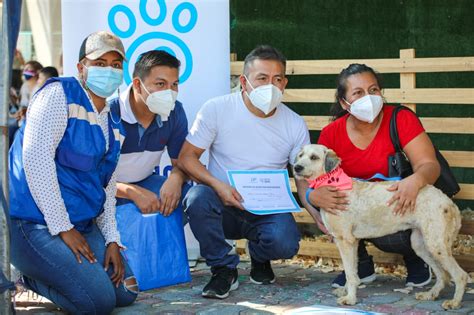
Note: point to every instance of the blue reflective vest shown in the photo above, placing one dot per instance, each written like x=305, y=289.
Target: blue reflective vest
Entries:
x=84, y=166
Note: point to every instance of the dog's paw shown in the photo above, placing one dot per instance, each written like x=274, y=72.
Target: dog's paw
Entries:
x=346, y=300
x=339, y=292
x=451, y=304
x=425, y=296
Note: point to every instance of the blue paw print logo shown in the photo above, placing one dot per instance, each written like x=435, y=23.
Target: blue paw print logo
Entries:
x=162, y=40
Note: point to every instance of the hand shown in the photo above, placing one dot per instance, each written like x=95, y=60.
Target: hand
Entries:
x=329, y=198
x=146, y=200
x=405, y=194
x=78, y=245
x=20, y=114
x=170, y=195
x=229, y=195
x=113, y=257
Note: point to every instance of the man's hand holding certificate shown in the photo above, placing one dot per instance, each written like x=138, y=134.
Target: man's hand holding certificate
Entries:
x=264, y=191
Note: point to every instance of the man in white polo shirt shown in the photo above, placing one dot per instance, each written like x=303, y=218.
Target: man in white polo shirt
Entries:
x=247, y=130
x=153, y=120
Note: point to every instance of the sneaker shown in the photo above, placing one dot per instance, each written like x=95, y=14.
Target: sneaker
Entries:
x=223, y=281
x=261, y=273
x=366, y=273
x=419, y=273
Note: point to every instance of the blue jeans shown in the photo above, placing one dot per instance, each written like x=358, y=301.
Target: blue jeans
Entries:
x=51, y=270
x=270, y=237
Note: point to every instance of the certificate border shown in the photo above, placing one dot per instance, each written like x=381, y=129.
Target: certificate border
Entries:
x=296, y=208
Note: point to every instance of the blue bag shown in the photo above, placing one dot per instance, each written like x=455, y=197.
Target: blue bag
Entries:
x=156, y=248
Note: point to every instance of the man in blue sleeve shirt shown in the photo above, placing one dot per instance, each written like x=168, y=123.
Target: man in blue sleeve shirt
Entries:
x=153, y=120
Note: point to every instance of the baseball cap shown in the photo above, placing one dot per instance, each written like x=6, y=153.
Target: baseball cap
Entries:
x=99, y=43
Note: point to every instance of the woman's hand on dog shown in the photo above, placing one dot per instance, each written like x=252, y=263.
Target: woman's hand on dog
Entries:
x=329, y=198
x=405, y=193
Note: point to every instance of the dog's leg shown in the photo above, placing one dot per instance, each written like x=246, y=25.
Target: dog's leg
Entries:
x=458, y=275
x=418, y=245
x=348, y=251
x=440, y=249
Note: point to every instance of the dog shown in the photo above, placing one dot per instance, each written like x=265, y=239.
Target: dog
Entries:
x=435, y=223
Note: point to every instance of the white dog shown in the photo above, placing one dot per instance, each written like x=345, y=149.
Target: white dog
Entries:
x=435, y=224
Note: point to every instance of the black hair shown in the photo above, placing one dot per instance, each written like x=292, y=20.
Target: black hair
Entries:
x=264, y=52
x=341, y=82
x=49, y=72
x=151, y=59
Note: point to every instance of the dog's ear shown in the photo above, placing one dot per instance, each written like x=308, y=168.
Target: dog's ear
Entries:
x=331, y=161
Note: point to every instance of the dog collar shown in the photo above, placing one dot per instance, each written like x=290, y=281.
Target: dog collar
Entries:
x=336, y=178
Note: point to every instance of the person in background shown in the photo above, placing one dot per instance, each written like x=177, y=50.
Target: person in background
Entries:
x=360, y=136
x=64, y=237
x=45, y=74
x=30, y=76
x=17, y=66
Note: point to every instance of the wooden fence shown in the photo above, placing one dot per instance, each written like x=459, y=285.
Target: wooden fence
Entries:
x=407, y=66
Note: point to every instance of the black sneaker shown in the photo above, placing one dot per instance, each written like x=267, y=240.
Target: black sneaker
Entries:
x=418, y=273
x=223, y=281
x=261, y=273
x=366, y=273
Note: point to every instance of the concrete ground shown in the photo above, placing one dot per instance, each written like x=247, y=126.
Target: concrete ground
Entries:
x=296, y=286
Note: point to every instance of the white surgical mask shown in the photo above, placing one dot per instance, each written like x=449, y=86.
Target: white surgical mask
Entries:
x=366, y=108
x=161, y=102
x=265, y=97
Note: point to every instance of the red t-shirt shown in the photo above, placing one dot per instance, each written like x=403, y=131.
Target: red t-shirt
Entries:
x=374, y=159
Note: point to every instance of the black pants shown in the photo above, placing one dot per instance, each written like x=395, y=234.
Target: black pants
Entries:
x=398, y=243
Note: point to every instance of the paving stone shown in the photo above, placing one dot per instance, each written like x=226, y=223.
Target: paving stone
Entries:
x=296, y=286
x=390, y=309
x=383, y=299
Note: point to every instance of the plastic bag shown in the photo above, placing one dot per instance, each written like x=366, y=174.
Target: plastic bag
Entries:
x=156, y=248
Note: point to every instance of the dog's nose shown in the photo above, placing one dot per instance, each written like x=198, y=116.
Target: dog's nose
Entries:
x=298, y=168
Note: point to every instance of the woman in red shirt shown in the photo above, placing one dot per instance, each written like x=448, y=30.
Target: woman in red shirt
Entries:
x=360, y=136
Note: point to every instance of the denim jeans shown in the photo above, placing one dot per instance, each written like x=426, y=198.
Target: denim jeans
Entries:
x=51, y=270
x=270, y=236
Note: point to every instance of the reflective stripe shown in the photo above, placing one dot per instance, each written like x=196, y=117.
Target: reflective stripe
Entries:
x=79, y=112
x=118, y=136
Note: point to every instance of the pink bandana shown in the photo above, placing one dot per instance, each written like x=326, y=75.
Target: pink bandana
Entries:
x=336, y=178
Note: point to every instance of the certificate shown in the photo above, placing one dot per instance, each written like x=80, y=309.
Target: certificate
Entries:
x=264, y=191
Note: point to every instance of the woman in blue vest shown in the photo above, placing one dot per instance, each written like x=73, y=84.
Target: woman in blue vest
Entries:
x=64, y=238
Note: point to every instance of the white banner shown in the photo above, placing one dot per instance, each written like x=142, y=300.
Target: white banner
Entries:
x=196, y=32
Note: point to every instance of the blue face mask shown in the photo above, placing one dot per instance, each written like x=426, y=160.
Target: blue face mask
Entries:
x=103, y=81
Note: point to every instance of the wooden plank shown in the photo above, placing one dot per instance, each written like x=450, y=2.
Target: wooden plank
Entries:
x=467, y=192
x=399, y=96
x=448, y=125
x=303, y=217
x=408, y=80
x=431, y=124
x=467, y=227
x=329, y=250
x=417, y=65
x=459, y=158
